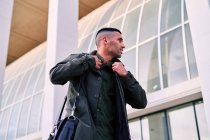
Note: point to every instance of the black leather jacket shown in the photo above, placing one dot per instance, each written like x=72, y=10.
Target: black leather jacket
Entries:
x=79, y=70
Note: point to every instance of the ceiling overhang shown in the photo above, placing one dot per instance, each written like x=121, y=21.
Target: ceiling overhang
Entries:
x=29, y=24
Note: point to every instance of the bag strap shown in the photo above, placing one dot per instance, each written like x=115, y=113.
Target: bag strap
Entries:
x=64, y=103
x=61, y=110
x=58, y=118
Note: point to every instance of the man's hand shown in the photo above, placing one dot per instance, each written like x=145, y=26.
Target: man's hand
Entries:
x=119, y=68
x=98, y=62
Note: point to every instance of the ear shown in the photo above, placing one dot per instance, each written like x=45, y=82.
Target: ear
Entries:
x=105, y=40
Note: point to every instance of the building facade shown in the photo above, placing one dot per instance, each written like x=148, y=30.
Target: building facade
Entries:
x=166, y=50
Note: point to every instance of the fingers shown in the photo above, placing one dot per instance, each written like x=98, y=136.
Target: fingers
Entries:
x=116, y=66
x=119, y=68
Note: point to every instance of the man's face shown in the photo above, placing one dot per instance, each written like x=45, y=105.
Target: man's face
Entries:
x=115, y=44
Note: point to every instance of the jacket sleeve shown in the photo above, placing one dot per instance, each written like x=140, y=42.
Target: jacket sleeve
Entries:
x=133, y=92
x=73, y=66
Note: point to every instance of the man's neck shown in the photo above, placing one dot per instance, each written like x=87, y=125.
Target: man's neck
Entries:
x=104, y=57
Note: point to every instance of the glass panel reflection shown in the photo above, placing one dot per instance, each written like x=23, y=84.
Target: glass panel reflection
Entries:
x=34, y=115
x=33, y=79
x=148, y=66
x=135, y=3
x=13, y=122
x=173, y=61
x=6, y=92
x=108, y=13
x=154, y=127
x=149, y=21
x=93, y=45
x=170, y=14
x=117, y=23
x=185, y=12
x=190, y=53
x=93, y=23
x=23, y=85
x=201, y=119
x=40, y=82
x=182, y=123
x=135, y=129
x=22, y=124
x=129, y=60
x=13, y=91
x=120, y=8
x=130, y=28
x=84, y=44
x=4, y=123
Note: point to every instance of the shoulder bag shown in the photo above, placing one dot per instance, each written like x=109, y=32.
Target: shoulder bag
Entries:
x=64, y=129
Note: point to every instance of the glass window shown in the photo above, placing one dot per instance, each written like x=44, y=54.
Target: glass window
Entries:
x=182, y=123
x=83, y=26
x=40, y=115
x=43, y=54
x=190, y=53
x=93, y=44
x=13, y=91
x=22, y=124
x=134, y=3
x=201, y=119
x=93, y=23
x=6, y=93
x=130, y=28
x=41, y=82
x=154, y=127
x=148, y=66
x=34, y=114
x=121, y=8
x=129, y=60
x=4, y=123
x=185, y=12
x=107, y=15
x=23, y=85
x=13, y=122
x=149, y=21
x=170, y=14
x=117, y=23
x=173, y=61
x=0, y=117
x=135, y=129
x=84, y=44
x=33, y=79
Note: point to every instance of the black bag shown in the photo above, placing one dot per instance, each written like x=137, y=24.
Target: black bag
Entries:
x=64, y=129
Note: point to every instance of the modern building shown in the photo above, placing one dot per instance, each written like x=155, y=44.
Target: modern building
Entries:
x=166, y=50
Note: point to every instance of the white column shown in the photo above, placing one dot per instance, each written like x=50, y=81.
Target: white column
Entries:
x=199, y=20
x=61, y=41
x=6, y=8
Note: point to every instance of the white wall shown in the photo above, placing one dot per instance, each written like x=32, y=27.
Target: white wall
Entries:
x=199, y=20
x=6, y=8
x=61, y=41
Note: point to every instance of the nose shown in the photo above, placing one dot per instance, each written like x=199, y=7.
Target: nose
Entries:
x=123, y=45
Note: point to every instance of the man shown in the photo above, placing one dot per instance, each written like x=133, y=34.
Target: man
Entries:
x=104, y=87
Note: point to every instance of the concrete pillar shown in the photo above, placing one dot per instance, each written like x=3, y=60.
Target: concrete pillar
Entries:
x=6, y=8
x=61, y=41
x=199, y=21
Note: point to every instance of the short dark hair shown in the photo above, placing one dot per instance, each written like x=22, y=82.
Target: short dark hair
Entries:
x=109, y=29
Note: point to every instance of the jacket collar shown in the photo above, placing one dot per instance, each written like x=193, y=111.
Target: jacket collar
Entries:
x=113, y=60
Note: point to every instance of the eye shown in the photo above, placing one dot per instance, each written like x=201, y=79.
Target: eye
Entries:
x=120, y=40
